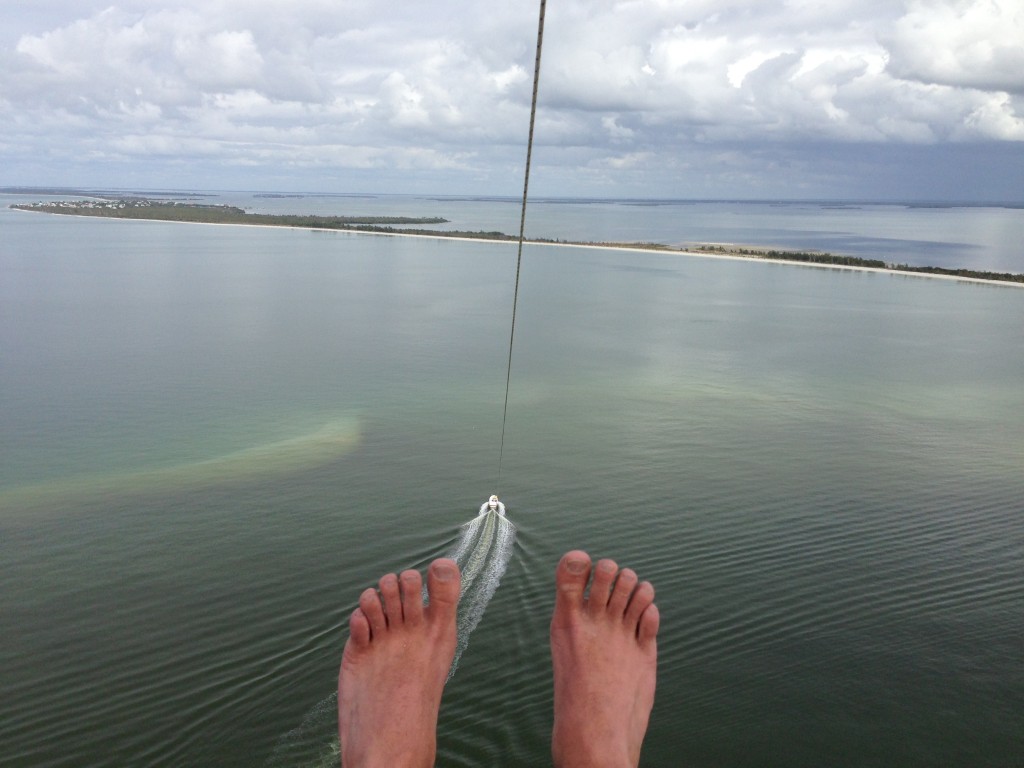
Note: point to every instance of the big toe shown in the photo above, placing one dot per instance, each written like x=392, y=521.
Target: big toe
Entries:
x=443, y=586
x=570, y=581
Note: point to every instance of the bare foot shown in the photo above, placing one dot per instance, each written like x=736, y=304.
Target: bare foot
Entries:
x=605, y=656
x=394, y=668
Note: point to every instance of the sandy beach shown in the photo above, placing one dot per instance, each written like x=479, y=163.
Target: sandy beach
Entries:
x=726, y=256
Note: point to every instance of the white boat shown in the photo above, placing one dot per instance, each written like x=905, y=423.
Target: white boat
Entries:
x=492, y=505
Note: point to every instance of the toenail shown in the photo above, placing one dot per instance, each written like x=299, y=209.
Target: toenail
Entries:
x=444, y=572
x=576, y=566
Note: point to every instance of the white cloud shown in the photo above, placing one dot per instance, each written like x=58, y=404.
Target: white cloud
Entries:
x=161, y=144
x=627, y=85
x=615, y=131
x=739, y=69
x=790, y=71
x=974, y=44
x=993, y=116
x=631, y=160
x=228, y=59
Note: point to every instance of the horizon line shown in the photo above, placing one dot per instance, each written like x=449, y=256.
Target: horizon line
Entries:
x=161, y=191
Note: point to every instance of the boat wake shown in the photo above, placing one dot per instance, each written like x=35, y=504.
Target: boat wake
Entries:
x=483, y=550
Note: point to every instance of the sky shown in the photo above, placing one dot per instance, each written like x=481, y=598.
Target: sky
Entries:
x=691, y=99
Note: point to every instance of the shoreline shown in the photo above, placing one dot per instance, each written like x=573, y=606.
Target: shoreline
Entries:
x=792, y=263
x=729, y=252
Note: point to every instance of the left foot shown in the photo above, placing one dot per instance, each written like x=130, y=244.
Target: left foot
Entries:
x=394, y=667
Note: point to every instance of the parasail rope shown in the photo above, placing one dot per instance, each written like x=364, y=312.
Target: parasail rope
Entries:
x=522, y=228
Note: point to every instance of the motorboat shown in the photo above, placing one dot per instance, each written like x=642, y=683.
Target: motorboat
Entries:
x=492, y=505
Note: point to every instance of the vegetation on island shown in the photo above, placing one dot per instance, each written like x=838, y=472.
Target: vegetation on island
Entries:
x=813, y=257
x=161, y=210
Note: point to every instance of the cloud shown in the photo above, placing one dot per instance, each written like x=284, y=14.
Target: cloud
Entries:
x=628, y=86
x=220, y=60
x=976, y=45
x=755, y=70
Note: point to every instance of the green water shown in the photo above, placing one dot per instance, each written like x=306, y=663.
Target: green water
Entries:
x=214, y=438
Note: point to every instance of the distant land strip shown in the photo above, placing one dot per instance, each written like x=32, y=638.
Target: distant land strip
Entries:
x=160, y=210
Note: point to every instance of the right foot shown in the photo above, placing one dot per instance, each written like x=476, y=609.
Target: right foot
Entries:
x=605, y=656
x=394, y=668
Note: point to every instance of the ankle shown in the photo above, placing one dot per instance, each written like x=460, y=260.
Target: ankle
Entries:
x=413, y=757
x=591, y=753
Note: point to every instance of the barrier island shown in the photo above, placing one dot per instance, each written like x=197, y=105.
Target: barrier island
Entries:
x=204, y=213
x=142, y=208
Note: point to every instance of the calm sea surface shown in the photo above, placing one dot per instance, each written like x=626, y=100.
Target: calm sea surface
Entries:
x=215, y=437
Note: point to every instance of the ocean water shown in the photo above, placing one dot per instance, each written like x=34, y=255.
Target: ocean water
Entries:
x=216, y=437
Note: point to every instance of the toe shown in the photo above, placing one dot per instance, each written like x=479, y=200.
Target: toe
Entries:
x=624, y=586
x=388, y=586
x=570, y=581
x=601, y=588
x=642, y=597
x=412, y=597
x=369, y=603
x=647, y=630
x=443, y=587
x=359, y=629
